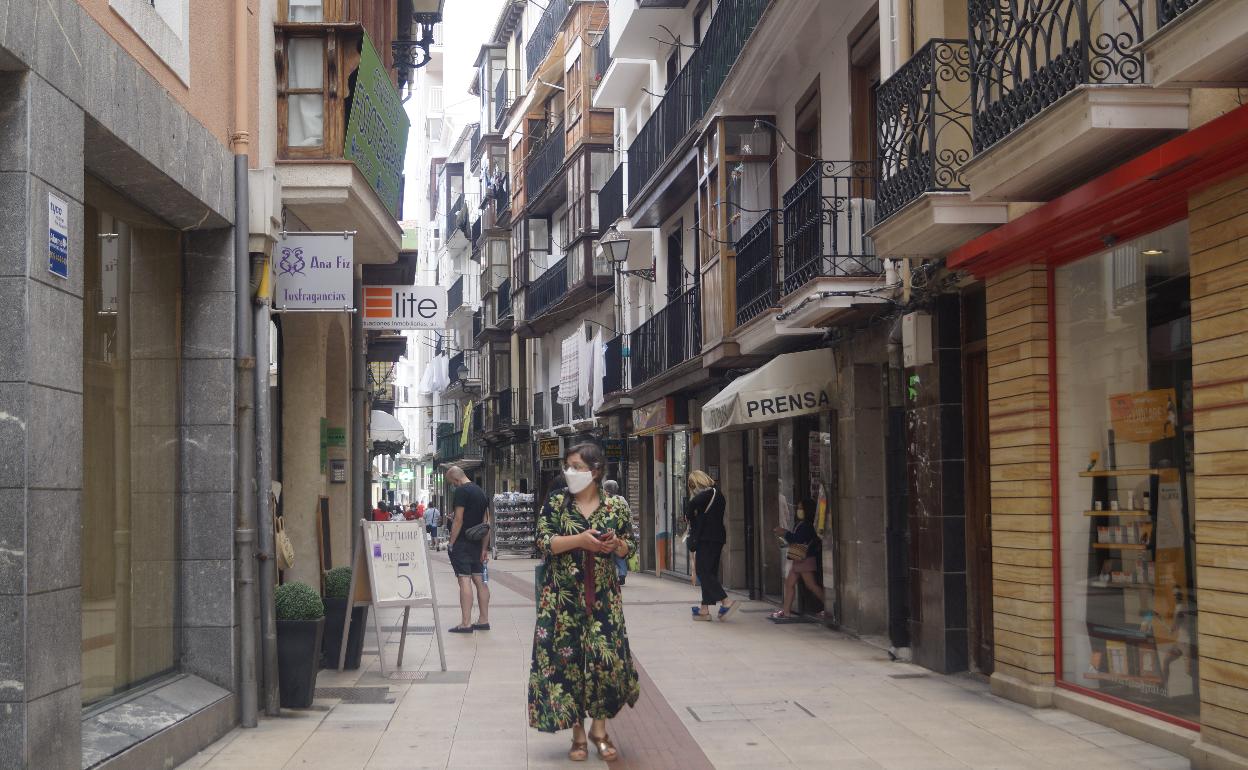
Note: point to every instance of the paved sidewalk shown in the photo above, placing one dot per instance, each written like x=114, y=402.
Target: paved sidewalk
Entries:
x=745, y=693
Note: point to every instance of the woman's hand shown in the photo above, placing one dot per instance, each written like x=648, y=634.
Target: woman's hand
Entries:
x=611, y=543
x=779, y=530
x=588, y=541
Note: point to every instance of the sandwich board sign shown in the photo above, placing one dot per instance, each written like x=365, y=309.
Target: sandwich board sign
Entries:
x=391, y=568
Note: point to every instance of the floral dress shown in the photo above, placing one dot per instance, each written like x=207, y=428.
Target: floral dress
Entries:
x=581, y=662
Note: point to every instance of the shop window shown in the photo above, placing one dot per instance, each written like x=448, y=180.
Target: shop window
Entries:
x=130, y=454
x=1125, y=465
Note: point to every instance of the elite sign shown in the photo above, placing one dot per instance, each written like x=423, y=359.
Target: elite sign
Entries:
x=404, y=307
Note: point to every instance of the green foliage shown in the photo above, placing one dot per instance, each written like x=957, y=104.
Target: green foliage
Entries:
x=337, y=583
x=298, y=601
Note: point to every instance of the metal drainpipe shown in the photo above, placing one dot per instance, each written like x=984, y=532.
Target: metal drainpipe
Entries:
x=360, y=457
x=245, y=532
x=264, y=508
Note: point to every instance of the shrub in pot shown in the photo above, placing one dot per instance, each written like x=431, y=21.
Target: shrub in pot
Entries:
x=300, y=624
x=337, y=586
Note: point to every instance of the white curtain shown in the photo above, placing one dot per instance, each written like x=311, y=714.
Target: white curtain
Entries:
x=568, y=364
x=306, y=10
x=306, y=120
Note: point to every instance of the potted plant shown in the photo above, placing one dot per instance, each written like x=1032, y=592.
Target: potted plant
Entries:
x=337, y=586
x=300, y=623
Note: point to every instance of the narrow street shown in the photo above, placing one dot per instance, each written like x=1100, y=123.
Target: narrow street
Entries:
x=745, y=693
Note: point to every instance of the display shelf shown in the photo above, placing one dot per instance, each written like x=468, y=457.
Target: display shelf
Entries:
x=1120, y=546
x=1116, y=472
x=515, y=523
x=1116, y=513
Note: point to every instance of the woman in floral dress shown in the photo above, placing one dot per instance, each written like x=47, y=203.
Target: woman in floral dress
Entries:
x=581, y=663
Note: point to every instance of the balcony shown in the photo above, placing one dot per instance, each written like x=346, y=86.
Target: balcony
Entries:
x=503, y=97
x=544, y=164
x=474, y=235
x=455, y=296
x=615, y=379
x=478, y=324
x=827, y=214
x=508, y=413
x=633, y=22
x=1057, y=96
x=560, y=414
x=923, y=113
x=464, y=370
x=756, y=271
x=474, y=147
x=668, y=339
x=611, y=199
x=539, y=410
x=547, y=289
x=503, y=300
x=602, y=55
x=452, y=449
x=1199, y=43
x=544, y=34
x=325, y=181
x=692, y=92
x=456, y=219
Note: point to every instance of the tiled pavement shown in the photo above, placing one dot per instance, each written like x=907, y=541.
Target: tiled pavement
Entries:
x=744, y=694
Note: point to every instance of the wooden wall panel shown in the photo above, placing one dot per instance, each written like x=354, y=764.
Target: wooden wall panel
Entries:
x=1018, y=416
x=1219, y=244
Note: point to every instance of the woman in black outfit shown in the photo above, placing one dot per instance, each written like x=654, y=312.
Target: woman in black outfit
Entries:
x=705, y=512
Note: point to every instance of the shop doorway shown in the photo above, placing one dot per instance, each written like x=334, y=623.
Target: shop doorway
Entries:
x=978, y=488
x=674, y=492
x=770, y=553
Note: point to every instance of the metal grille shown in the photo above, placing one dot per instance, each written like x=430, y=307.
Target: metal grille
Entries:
x=356, y=694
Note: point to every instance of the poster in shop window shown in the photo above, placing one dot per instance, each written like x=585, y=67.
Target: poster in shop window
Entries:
x=1144, y=416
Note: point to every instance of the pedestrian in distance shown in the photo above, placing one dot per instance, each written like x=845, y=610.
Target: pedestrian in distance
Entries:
x=611, y=488
x=469, y=550
x=803, y=546
x=582, y=667
x=432, y=519
x=380, y=512
x=707, y=535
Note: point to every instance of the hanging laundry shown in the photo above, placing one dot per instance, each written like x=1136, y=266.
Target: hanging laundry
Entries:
x=568, y=362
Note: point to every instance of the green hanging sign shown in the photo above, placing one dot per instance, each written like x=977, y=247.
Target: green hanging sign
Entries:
x=377, y=127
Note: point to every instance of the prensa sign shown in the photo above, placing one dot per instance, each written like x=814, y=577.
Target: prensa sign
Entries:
x=313, y=272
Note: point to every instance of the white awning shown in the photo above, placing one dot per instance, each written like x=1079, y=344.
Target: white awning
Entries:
x=790, y=385
x=385, y=427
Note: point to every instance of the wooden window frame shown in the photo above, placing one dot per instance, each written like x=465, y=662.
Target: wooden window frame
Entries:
x=338, y=59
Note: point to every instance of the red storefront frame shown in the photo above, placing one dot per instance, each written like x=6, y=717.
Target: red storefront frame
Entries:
x=1141, y=196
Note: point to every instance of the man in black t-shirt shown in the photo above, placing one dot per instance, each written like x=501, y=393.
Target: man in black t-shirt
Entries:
x=468, y=557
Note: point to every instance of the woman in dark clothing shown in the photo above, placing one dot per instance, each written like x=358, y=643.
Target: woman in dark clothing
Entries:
x=705, y=512
x=803, y=533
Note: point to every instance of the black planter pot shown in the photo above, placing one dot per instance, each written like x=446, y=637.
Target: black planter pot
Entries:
x=298, y=652
x=335, y=613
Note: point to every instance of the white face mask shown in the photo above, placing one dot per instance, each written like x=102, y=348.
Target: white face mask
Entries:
x=578, y=481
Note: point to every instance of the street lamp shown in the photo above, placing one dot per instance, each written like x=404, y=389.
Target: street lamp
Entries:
x=413, y=53
x=616, y=246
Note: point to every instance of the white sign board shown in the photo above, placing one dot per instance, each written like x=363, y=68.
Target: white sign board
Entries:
x=58, y=237
x=313, y=271
x=397, y=562
x=404, y=307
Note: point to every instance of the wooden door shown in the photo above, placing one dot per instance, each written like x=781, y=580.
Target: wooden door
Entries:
x=978, y=492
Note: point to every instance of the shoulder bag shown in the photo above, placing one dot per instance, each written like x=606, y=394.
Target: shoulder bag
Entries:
x=285, y=550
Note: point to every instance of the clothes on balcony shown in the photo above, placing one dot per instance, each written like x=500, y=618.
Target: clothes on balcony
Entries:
x=436, y=377
x=600, y=371
x=568, y=361
x=585, y=373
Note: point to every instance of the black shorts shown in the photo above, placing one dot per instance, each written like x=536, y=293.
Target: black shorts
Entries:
x=466, y=559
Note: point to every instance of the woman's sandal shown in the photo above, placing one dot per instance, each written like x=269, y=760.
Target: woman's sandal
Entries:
x=606, y=749
x=778, y=615
x=579, y=751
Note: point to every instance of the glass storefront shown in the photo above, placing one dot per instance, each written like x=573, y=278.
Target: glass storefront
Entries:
x=1126, y=475
x=131, y=349
x=676, y=493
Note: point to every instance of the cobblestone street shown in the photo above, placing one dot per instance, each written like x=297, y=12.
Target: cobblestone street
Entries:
x=745, y=693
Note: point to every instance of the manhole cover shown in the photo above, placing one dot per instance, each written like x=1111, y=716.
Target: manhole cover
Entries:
x=356, y=694
x=907, y=676
x=409, y=676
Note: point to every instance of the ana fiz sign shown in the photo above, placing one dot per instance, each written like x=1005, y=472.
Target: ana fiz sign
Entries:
x=313, y=271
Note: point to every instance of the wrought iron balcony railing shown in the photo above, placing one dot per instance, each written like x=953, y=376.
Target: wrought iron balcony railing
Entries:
x=827, y=214
x=669, y=338
x=1169, y=10
x=478, y=322
x=475, y=144
x=1027, y=55
x=923, y=114
x=547, y=289
x=455, y=295
x=451, y=448
x=455, y=218
x=611, y=199
x=756, y=271
x=545, y=163
x=544, y=33
x=539, y=410
x=464, y=368
x=613, y=380
x=602, y=55
x=503, y=299
x=502, y=99
x=475, y=234
x=692, y=91
x=559, y=413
